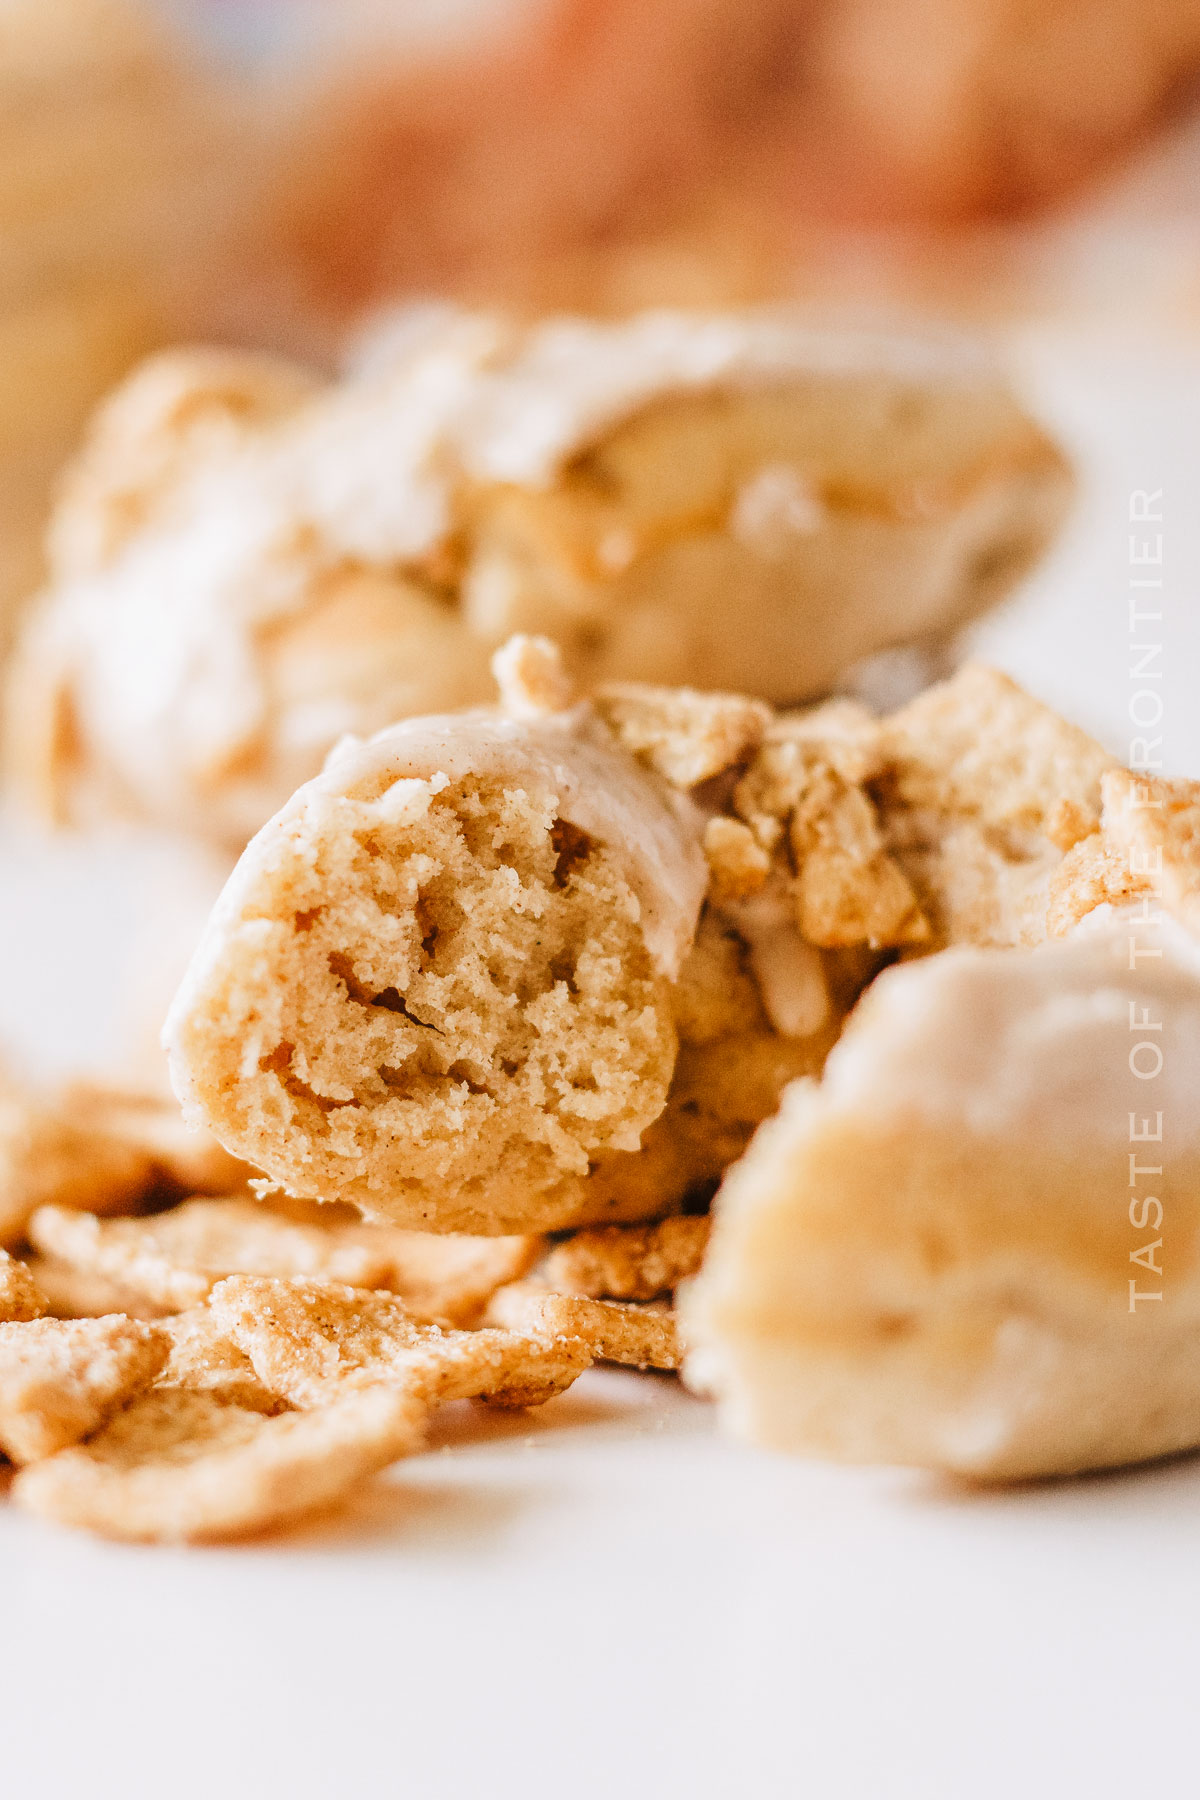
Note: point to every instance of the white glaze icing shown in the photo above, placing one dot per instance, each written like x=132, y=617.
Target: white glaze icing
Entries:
x=1031, y=1044
x=789, y=971
x=570, y=380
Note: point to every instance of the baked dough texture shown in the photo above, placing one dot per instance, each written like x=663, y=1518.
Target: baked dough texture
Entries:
x=439, y=981
x=522, y=970
x=974, y=1246
x=248, y=564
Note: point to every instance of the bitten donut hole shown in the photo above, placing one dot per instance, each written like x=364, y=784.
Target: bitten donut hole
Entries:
x=457, y=1002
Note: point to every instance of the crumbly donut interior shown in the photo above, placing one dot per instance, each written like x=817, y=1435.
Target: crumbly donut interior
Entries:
x=451, y=1000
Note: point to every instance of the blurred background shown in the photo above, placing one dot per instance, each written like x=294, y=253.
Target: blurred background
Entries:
x=272, y=172
x=269, y=171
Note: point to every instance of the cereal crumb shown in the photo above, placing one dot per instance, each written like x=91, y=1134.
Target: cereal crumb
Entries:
x=530, y=676
x=738, y=863
x=620, y=1331
x=688, y=737
x=627, y=1262
x=21, y=1299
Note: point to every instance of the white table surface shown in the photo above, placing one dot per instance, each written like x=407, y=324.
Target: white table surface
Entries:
x=605, y=1598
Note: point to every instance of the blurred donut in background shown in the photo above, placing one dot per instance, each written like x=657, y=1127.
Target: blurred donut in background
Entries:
x=954, y=109
x=555, y=128
x=599, y=156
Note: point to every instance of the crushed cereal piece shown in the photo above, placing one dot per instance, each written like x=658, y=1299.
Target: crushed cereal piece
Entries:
x=175, y=1258
x=530, y=675
x=1156, y=826
x=844, y=733
x=619, y=1331
x=848, y=889
x=978, y=792
x=205, y=1359
x=976, y=884
x=841, y=736
x=310, y=1341
x=979, y=745
x=737, y=862
x=21, y=1299
x=449, y=1279
x=183, y=1156
x=179, y=1464
x=627, y=1262
x=48, y=1158
x=82, y=1294
x=443, y=1278
x=1093, y=873
x=61, y=1379
x=686, y=736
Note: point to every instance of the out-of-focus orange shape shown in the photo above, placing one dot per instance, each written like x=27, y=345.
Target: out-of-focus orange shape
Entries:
x=575, y=123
